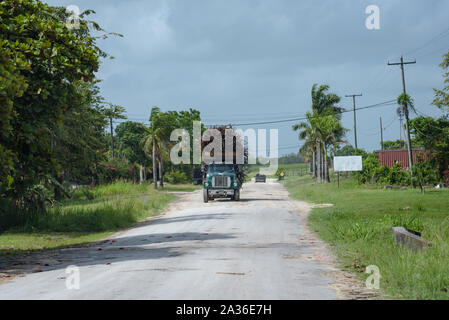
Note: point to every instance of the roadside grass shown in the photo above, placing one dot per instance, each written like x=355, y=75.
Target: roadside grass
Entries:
x=19, y=243
x=291, y=169
x=182, y=187
x=90, y=216
x=359, y=228
x=122, y=188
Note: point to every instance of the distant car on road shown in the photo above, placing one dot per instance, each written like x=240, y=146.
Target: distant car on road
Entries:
x=261, y=178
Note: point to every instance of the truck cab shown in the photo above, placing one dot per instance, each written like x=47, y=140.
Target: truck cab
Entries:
x=222, y=181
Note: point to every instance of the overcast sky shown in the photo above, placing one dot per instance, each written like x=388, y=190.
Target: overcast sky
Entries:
x=240, y=61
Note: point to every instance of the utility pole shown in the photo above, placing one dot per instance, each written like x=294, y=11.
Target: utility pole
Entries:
x=355, y=117
x=407, y=124
x=381, y=134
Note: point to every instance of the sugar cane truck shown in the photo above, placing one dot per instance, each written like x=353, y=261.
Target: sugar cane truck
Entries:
x=221, y=179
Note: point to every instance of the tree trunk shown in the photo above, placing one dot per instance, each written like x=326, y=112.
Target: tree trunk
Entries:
x=326, y=166
x=112, y=137
x=322, y=165
x=141, y=174
x=154, y=166
x=161, y=173
x=145, y=174
x=57, y=192
x=313, y=162
x=318, y=160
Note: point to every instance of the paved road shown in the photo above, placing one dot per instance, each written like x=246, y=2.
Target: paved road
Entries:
x=219, y=250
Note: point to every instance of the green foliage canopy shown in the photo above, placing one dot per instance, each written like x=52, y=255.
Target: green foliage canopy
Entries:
x=41, y=61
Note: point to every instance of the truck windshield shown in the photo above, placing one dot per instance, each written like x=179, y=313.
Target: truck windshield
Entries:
x=221, y=168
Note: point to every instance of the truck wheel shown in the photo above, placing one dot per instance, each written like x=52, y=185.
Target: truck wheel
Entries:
x=205, y=196
x=236, y=195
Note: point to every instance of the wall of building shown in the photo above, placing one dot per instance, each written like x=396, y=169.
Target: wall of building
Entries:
x=389, y=157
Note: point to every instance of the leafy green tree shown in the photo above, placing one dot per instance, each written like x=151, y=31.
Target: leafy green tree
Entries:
x=349, y=150
x=291, y=159
x=433, y=135
x=44, y=59
x=113, y=169
x=12, y=85
x=129, y=135
x=424, y=173
x=394, y=145
x=79, y=142
x=157, y=142
x=184, y=120
x=442, y=96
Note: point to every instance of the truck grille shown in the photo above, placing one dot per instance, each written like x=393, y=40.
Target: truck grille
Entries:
x=220, y=182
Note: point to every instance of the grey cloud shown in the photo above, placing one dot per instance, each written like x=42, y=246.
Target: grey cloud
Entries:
x=261, y=58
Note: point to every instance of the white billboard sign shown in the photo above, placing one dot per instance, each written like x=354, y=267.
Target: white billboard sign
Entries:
x=345, y=164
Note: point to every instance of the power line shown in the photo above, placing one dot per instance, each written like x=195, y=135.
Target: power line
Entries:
x=422, y=113
x=429, y=124
x=239, y=116
x=378, y=131
x=441, y=35
x=301, y=117
x=377, y=105
x=432, y=52
x=390, y=124
x=382, y=104
x=425, y=135
x=376, y=80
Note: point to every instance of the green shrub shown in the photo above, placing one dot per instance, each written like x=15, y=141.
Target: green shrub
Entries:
x=398, y=176
x=176, y=177
x=87, y=193
x=370, y=165
x=424, y=174
x=115, y=169
x=374, y=173
x=381, y=174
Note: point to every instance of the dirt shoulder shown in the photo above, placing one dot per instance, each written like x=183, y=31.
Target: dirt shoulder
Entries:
x=346, y=284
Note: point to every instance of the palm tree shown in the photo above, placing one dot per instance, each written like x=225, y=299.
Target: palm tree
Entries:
x=154, y=144
x=315, y=131
x=114, y=112
x=323, y=101
x=331, y=132
x=308, y=133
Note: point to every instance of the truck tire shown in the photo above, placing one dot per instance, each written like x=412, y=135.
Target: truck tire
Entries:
x=236, y=195
x=205, y=196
